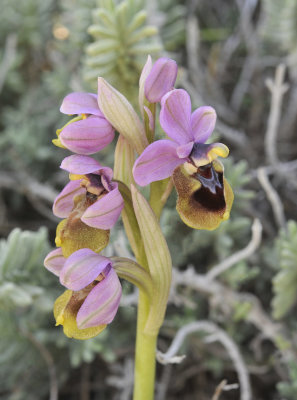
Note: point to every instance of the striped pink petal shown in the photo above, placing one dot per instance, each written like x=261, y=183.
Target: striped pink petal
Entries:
x=80, y=103
x=81, y=268
x=203, y=121
x=101, y=305
x=157, y=162
x=64, y=202
x=87, y=136
x=104, y=213
x=160, y=80
x=82, y=165
x=55, y=261
x=175, y=116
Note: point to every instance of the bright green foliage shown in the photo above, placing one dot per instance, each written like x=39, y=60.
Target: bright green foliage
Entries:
x=285, y=282
x=122, y=41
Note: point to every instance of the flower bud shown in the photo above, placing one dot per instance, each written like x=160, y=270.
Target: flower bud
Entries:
x=160, y=80
x=122, y=116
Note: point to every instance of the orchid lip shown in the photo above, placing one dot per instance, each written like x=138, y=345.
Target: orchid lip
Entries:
x=211, y=193
x=209, y=178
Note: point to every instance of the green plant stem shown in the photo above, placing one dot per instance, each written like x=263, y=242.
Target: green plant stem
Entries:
x=145, y=354
x=159, y=193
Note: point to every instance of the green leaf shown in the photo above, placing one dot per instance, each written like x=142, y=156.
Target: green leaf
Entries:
x=134, y=273
x=158, y=258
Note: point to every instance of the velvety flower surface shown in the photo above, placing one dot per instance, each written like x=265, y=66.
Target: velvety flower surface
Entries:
x=88, y=134
x=93, y=295
x=193, y=164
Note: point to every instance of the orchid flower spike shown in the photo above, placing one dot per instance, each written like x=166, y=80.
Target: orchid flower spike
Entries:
x=204, y=196
x=93, y=296
x=91, y=204
x=90, y=131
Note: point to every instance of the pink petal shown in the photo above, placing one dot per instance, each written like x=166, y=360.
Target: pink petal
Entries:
x=54, y=261
x=80, y=103
x=82, y=268
x=175, y=116
x=160, y=80
x=184, y=150
x=157, y=162
x=82, y=165
x=104, y=213
x=101, y=305
x=203, y=122
x=87, y=136
x=64, y=202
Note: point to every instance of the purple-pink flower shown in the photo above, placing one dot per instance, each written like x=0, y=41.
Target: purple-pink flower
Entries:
x=160, y=79
x=187, y=132
x=91, y=133
x=95, y=286
x=93, y=180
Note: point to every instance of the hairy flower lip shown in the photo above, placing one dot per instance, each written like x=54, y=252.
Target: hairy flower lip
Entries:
x=202, y=204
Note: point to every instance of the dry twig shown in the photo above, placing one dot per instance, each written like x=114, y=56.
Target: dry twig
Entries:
x=223, y=387
x=241, y=254
x=216, y=334
x=277, y=89
x=225, y=298
x=273, y=197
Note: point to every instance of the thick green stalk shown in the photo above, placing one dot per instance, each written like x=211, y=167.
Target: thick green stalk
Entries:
x=145, y=354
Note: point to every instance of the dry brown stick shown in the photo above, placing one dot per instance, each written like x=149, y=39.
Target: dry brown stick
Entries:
x=223, y=386
x=219, y=390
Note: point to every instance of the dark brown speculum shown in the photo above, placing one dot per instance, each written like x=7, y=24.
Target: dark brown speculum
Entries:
x=211, y=193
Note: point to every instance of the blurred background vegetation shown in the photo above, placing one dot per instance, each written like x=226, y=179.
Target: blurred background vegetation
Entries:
x=239, y=56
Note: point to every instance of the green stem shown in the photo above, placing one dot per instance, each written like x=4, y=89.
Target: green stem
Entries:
x=145, y=354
